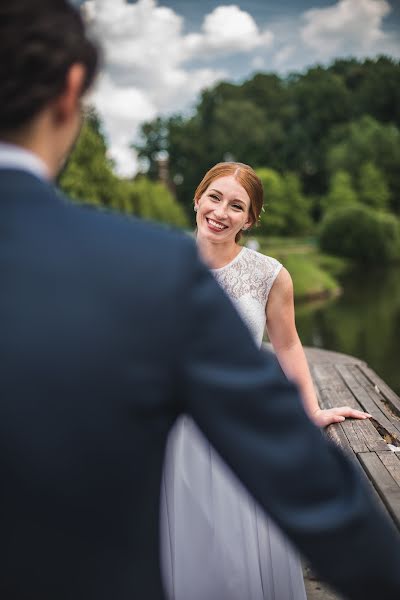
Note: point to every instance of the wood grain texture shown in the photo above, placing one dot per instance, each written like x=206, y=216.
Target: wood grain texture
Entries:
x=385, y=485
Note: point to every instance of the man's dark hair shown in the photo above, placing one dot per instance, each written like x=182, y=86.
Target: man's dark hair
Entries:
x=39, y=41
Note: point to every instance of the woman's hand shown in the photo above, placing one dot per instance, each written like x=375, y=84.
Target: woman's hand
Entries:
x=323, y=418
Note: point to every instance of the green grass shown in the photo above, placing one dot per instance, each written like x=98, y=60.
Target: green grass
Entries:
x=309, y=279
x=314, y=274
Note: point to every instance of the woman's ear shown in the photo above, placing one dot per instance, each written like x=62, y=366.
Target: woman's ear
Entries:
x=249, y=223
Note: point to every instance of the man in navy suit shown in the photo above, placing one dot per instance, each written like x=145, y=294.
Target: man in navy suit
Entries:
x=109, y=330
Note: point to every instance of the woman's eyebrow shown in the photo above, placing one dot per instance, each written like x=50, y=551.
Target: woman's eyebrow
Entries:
x=221, y=194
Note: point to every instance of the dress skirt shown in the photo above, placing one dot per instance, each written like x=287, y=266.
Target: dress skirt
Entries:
x=216, y=543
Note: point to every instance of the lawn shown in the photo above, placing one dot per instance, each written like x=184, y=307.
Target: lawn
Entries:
x=314, y=274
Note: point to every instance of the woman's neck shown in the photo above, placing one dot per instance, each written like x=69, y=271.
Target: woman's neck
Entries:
x=217, y=255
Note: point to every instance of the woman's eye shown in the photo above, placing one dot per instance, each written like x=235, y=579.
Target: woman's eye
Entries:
x=214, y=197
x=237, y=206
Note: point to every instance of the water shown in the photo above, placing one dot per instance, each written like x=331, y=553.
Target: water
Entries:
x=363, y=322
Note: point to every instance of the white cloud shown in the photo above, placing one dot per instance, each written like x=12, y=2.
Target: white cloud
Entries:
x=258, y=63
x=146, y=63
x=152, y=66
x=284, y=56
x=228, y=29
x=348, y=27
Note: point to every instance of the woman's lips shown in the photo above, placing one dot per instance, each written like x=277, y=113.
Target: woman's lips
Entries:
x=215, y=225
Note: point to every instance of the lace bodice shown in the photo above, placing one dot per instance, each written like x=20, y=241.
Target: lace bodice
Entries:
x=247, y=280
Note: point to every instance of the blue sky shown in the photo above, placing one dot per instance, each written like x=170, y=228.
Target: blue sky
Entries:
x=160, y=54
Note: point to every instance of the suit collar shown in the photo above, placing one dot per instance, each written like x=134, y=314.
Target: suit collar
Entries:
x=17, y=158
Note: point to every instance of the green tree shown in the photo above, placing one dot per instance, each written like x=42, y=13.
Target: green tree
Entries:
x=88, y=176
x=362, y=234
x=373, y=188
x=320, y=101
x=153, y=201
x=287, y=211
x=312, y=124
x=340, y=193
x=297, y=220
x=374, y=86
x=153, y=140
x=273, y=219
x=368, y=141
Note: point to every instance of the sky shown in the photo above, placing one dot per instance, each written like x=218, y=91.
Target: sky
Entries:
x=160, y=54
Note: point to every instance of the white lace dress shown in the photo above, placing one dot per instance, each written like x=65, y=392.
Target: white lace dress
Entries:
x=216, y=543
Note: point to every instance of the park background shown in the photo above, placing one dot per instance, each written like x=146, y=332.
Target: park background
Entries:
x=308, y=93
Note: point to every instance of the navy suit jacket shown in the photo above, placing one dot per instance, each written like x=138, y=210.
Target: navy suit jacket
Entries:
x=111, y=328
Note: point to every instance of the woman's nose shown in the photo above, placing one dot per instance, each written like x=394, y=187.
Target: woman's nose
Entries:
x=220, y=211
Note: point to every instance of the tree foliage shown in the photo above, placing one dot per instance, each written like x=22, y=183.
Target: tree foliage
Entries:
x=373, y=187
x=341, y=192
x=152, y=201
x=312, y=124
x=89, y=178
x=287, y=211
x=322, y=139
x=368, y=141
x=362, y=234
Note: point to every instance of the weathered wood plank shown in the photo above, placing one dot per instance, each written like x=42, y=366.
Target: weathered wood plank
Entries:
x=368, y=404
x=343, y=380
x=390, y=397
x=317, y=355
x=337, y=436
x=362, y=434
x=354, y=435
x=384, y=483
x=391, y=460
x=377, y=398
x=333, y=391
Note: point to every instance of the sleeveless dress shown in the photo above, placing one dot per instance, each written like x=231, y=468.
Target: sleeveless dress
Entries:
x=216, y=543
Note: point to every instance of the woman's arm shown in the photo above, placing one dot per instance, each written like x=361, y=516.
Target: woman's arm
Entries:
x=283, y=335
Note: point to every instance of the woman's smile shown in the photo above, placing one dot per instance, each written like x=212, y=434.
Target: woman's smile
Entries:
x=215, y=225
x=222, y=210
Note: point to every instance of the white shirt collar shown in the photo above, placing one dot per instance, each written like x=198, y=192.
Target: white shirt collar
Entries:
x=15, y=157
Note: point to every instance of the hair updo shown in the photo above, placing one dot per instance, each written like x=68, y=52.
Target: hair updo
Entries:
x=39, y=41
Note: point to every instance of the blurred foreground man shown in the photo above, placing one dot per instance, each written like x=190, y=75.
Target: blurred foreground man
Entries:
x=110, y=329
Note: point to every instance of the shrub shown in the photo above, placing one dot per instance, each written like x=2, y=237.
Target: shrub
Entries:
x=362, y=234
x=150, y=200
x=287, y=210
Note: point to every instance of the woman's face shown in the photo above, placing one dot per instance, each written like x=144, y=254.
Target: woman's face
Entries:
x=223, y=210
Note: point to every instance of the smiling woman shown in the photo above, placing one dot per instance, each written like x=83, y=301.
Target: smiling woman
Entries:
x=234, y=201
x=205, y=512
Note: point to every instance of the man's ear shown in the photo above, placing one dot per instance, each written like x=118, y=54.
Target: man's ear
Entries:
x=68, y=102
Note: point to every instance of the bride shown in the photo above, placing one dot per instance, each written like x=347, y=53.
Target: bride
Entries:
x=216, y=544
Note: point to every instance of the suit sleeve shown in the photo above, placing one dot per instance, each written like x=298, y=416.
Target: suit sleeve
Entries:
x=253, y=416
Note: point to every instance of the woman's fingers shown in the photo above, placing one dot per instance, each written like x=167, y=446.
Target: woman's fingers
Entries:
x=347, y=411
x=325, y=417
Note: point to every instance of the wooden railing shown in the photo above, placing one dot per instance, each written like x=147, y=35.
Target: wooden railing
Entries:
x=344, y=380
x=374, y=443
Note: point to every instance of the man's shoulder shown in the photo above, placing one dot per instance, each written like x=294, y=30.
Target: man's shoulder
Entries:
x=146, y=236
x=94, y=232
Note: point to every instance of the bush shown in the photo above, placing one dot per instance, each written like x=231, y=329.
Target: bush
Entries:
x=150, y=200
x=362, y=234
x=287, y=210
x=341, y=192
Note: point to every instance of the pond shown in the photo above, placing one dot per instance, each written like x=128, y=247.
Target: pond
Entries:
x=363, y=322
